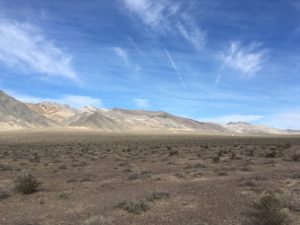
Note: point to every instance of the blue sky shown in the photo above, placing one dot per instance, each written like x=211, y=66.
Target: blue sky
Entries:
x=221, y=60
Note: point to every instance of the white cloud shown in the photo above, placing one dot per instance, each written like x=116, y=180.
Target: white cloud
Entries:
x=133, y=67
x=122, y=54
x=246, y=60
x=151, y=12
x=142, y=103
x=76, y=101
x=25, y=46
x=164, y=16
x=290, y=120
x=25, y=98
x=193, y=34
x=234, y=118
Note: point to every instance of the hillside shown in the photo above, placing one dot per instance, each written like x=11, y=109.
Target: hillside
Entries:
x=15, y=114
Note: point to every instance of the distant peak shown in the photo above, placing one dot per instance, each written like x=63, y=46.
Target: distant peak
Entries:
x=238, y=123
x=88, y=109
x=49, y=103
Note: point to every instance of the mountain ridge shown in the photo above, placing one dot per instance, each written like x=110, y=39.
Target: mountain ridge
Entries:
x=15, y=114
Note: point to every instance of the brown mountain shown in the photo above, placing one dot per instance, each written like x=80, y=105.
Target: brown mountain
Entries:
x=15, y=114
x=247, y=128
x=53, y=111
x=139, y=120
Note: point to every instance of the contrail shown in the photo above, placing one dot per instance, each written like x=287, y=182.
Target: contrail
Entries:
x=175, y=68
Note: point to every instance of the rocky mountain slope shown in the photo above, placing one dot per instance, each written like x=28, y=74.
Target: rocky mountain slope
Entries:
x=17, y=115
x=293, y=131
x=247, y=128
x=53, y=111
x=135, y=120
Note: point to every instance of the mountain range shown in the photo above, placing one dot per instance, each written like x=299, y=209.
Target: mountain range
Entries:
x=15, y=114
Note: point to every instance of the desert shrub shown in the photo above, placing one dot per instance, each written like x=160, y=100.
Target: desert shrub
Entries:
x=246, y=168
x=3, y=195
x=28, y=223
x=123, y=164
x=25, y=183
x=291, y=201
x=136, y=207
x=71, y=180
x=82, y=164
x=179, y=175
x=171, y=153
x=216, y=159
x=98, y=220
x=221, y=172
x=194, y=166
x=233, y=156
x=271, y=154
x=63, y=196
x=35, y=158
x=4, y=167
x=142, y=175
x=248, y=183
x=199, y=165
x=127, y=170
x=296, y=157
x=157, y=195
x=251, y=152
x=259, y=178
x=25, y=222
x=268, y=211
x=295, y=176
x=133, y=176
x=146, y=173
x=62, y=167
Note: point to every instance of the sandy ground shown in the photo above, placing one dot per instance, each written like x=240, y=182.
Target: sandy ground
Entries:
x=210, y=180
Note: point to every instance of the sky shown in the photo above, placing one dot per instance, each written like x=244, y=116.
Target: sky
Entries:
x=221, y=60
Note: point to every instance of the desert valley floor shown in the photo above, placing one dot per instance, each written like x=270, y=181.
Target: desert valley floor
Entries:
x=129, y=179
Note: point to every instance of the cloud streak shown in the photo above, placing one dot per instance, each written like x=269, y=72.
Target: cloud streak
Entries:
x=26, y=47
x=193, y=34
x=122, y=54
x=245, y=60
x=133, y=67
x=76, y=101
x=164, y=16
x=142, y=103
x=289, y=120
x=151, y=12
x=174, y=66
